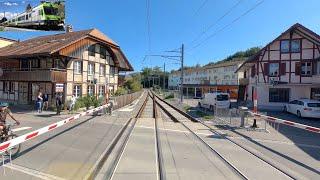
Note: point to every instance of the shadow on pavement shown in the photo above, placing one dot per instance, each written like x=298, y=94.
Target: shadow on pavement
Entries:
x=314, y=153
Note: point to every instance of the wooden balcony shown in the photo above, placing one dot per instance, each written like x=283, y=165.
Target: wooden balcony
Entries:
x=48, y=75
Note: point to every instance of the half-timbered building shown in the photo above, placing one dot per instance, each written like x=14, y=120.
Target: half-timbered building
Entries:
x=74, y=63
x=285, y=69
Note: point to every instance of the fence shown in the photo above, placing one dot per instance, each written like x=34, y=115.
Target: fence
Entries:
x=123, y=100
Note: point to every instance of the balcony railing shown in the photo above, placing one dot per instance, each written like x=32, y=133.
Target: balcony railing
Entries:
x=43, y=75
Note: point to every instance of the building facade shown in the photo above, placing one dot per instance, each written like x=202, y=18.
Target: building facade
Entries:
x=220, y=76
x=287, y=68
x=74, y=63
x=6, y=42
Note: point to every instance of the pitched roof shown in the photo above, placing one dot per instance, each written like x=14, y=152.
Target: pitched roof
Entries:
x=297, y=28
x=50, y=44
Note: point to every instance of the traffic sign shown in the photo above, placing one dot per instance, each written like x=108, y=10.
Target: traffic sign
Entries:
x=59, y=87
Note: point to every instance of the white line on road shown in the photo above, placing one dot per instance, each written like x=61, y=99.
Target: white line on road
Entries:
x=33, y=172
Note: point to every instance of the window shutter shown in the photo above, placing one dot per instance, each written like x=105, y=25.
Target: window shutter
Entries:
x=266, y=69
x=283, y=69
x=253, y=70
x=297, y=68
x=314, y=67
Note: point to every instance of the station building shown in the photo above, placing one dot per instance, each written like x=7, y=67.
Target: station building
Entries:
x=76, y=63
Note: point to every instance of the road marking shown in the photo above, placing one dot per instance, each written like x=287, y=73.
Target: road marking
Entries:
x=21, y=129
x=242, y=138
x=33, y=172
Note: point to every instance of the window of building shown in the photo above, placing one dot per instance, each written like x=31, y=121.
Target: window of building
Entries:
x=12, y=86
x=77, y=90
x=92, y=50
x=58, y=64
x=103, y=52
x=102, y=70
x=6, y=87
x=306, y=68
x=273, y=69
x=295, y=46
x=35, y=63
x=112, y=71
x=101, y=91
x=315, y=93
x=279, y=94
x=285, y=46
x=90, y=69
x=90, y=90
x=77, y=67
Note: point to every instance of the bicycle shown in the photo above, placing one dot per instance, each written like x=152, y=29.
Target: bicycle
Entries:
x=7, y=134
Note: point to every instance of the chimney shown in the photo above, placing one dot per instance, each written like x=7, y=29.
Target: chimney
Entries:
x=68, y=28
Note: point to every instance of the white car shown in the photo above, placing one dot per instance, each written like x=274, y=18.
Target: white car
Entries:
x=215, y=100
x=304, y=108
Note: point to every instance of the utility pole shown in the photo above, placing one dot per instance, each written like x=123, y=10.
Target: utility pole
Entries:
x=181, y=86
x=164, y=76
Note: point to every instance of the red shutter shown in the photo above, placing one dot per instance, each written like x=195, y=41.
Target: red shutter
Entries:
x=297, y=68
x=253, y=70
x=283, y=69
x=266, y=69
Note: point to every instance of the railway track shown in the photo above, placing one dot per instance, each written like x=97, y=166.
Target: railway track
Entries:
x=161, y=142
x=180, y=117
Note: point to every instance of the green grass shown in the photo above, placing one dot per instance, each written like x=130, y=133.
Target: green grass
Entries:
x=170, y=96
x=186, y=108
x=204, y=115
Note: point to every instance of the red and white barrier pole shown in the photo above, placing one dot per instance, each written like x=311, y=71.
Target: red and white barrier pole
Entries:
x=288, y=123
x=255, y=106
x=8, y=144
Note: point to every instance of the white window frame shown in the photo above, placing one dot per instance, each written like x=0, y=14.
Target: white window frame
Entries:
x=305, y=68
x=102, y=70
x=101, y=90
x=90, y=69
x=77, y=67
x=77, y=91
x=274, y=69
x=91, y=90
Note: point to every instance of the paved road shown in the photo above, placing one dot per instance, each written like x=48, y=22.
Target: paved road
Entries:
x=292, y=148
x=67, y=152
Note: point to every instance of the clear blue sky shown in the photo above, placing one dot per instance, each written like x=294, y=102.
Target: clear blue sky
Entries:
x=173, y=22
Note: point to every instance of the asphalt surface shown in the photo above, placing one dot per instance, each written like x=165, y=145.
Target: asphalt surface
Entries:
x=68, y=152
x=294, y=150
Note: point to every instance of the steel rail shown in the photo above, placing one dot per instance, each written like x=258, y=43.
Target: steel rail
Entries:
x=237, y=171
x=232, y=141
x=94, y=172
x=161, y=168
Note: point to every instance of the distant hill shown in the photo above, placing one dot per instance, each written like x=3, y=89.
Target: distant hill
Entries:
x=240, y=54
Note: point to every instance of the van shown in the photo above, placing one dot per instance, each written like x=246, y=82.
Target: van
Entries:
x=215, y=100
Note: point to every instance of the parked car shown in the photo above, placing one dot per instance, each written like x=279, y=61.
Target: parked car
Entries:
x=215, y=100
x=304, y=108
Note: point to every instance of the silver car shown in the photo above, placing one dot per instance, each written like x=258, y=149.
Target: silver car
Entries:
x=304, y=108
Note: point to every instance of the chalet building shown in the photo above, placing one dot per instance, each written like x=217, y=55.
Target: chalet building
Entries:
x=287, y=68
x=74, y=63
x=6, y=42
x=220, y=76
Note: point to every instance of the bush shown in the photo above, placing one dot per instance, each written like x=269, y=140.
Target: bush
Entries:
x=120, y=91
x=170, y=96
